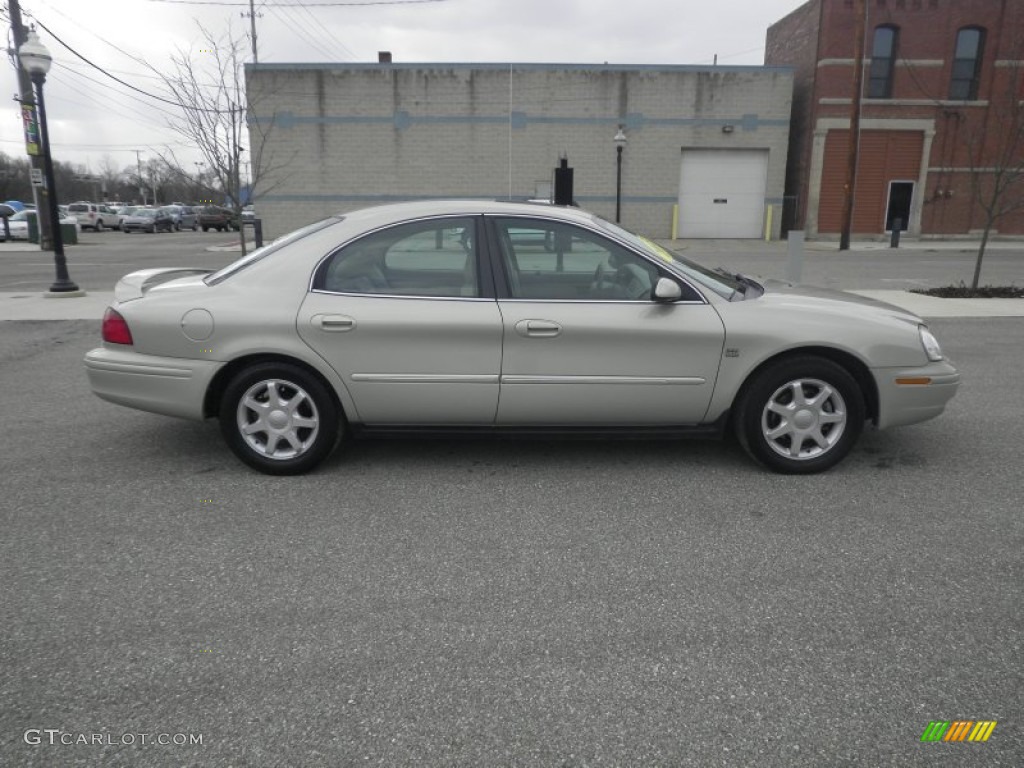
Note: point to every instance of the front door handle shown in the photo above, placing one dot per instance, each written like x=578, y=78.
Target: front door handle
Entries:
x=538, y=329
x=335, y=323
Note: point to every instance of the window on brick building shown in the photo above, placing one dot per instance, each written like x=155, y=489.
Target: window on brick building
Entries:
x=970, y=41
x=883, y=60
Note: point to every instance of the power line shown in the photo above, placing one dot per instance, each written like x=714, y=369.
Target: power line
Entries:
x=295, y=25
x=325, y=29
x=290, y=5
x=129, y=85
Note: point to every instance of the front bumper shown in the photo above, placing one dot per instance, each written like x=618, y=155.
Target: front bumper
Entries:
x=167, y=385
x=913, y=395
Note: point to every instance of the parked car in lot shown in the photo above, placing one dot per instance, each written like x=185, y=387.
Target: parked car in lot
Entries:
x=18, y=223
x=125, y=211
x=94, y=216
x=147, y=220
x=487, y=317
x=216, y=217
x=183, y=217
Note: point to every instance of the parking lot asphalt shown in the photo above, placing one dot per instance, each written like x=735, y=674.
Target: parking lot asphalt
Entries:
x=531, y=603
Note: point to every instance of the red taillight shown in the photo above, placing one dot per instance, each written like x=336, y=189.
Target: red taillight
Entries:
x=115, y=329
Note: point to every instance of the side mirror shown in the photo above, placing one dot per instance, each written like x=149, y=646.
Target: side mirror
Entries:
x=667, y=290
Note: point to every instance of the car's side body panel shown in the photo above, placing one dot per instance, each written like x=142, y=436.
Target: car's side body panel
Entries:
x=912, y=395
x=171, y=386
x=875, y=335
x=607, y=363
x=409, y=360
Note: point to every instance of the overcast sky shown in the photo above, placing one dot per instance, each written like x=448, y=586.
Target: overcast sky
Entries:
x=93, y=118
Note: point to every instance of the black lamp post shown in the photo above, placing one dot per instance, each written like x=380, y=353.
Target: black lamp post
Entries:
x=36, y=60
x=620, y=142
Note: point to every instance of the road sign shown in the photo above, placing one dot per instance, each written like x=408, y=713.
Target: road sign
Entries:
x=37, y=176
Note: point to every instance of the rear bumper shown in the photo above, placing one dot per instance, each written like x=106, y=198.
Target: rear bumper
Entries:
x=167, y=385
x=913, y=395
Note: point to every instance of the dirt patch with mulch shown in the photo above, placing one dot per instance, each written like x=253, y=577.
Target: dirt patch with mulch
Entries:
x=963, y=292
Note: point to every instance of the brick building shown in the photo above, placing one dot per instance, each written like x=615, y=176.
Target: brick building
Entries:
x=712, y=140
x=941, y=89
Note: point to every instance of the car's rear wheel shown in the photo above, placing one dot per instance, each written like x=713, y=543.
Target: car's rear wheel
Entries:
x=800, y=415
x=279, y=419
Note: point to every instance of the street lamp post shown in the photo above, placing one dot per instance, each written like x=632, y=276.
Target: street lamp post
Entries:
x=36, y=60
x=620, y=142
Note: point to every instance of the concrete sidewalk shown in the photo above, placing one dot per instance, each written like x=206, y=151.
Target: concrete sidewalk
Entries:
x=35, y=306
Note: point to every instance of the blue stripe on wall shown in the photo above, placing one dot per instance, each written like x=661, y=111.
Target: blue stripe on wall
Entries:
x=519, y=120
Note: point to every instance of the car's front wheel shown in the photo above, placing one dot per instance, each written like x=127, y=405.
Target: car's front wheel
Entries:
x=800, y=415
x=98, y=226
x=279, y=419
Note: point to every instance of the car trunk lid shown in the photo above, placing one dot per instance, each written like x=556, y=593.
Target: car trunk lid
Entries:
x=138, y=284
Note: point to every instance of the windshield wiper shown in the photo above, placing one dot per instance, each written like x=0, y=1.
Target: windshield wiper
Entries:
x=742, y=279
x=743, y=282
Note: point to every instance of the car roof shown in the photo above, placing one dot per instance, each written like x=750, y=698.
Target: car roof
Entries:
x=393, y=212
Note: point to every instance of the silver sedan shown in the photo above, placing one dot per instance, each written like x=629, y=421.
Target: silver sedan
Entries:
x=487, y=317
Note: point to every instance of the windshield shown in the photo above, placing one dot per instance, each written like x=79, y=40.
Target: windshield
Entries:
x=262, y=253
x=147, y=213
x=725, y=286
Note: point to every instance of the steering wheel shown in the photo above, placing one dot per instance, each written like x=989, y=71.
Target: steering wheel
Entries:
x=601, y=281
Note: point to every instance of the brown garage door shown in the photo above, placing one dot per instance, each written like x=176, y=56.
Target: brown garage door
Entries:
x=884, y=156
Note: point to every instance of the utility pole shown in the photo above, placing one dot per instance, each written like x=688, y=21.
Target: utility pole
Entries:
x=252, y=25
x=27, y=99
x=858, y=85
x=138, y=167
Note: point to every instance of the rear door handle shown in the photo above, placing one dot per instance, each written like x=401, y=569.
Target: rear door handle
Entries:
x=334, y=323
x=538, y=329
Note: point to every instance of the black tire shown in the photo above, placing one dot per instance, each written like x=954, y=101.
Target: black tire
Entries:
x=820, y=435
x=206, y=229
x=194, y=226
x=315, y=405
x=98, y=226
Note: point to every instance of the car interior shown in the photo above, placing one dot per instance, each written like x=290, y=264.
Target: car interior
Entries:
x=408, y=260
x=551, y=261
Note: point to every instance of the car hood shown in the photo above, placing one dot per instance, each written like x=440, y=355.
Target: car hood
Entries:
x=813, y=298
x=138, y=284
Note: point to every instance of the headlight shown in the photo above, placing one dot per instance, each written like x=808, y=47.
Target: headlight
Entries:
x=930, y=344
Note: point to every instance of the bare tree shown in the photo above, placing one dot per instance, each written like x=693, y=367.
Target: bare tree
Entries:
x=996, y=156
x=110, y=177
x=208, y=82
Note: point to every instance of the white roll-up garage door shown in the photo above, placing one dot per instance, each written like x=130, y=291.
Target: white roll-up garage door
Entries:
x=721, y=192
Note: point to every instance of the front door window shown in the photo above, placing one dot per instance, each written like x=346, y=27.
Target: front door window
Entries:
x=547, y=260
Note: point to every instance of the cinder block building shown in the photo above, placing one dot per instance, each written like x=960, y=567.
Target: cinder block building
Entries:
x=940, y=110
x=705, y=151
